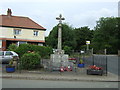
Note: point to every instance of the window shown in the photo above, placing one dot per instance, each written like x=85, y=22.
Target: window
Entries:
x=21, y=42
x=40, y=44
x=8, y=53
x=35, y=33
x=17, y=31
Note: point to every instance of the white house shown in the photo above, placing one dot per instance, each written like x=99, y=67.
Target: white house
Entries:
x=17, y=29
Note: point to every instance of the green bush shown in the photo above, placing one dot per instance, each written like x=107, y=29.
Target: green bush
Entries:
x=30, y=61
x=43, y=51
x=67, y=50
x=24, y=48
x=12, y=47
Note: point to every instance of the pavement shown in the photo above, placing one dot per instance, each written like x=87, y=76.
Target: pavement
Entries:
x=80, y=75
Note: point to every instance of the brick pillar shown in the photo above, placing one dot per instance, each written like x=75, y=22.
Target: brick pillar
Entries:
x=3, y=45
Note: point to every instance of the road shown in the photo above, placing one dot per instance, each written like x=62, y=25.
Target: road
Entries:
x=17, y=83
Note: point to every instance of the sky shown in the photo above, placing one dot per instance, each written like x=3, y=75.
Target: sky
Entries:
x=77, y=13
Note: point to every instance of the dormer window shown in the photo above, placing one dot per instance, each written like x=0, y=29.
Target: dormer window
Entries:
x=35, y=33
x=17, y=31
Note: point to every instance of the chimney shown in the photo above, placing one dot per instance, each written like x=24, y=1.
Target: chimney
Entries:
x=9, y=12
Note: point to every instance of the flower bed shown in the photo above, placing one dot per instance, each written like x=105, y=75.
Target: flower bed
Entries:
x=95, y=70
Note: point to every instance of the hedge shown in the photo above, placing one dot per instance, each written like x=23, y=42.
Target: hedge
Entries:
x=43, y=51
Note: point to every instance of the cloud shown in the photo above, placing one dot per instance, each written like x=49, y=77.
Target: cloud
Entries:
x=86, y=18
x=89, y=18
x=59, y=1
x=44, y=12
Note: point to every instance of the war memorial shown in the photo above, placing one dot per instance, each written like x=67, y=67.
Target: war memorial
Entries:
x=59, y=59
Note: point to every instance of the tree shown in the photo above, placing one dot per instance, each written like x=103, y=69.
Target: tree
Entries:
x=118, y=29
x=68, y=37
x=82, y=35
x=106, y=35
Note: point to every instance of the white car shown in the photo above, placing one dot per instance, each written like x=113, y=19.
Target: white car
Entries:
x=6, y=56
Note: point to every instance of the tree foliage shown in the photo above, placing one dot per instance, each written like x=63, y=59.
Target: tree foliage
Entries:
x=68, y=37
x=67, y=50
x=106, y=35
x=82, y=35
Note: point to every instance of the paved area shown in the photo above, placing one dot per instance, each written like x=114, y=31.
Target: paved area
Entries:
x=68, y=76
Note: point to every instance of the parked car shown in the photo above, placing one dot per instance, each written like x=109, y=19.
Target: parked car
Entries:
x=6, y=56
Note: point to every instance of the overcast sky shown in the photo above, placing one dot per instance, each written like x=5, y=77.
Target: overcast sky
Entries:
x=78, y=13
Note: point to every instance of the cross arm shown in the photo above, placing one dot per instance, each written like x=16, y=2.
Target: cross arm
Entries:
x=60, y=18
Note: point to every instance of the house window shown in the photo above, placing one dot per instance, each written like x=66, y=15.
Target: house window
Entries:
x=40, y=44
x=17, y=31
x=21, y=42
x=35, y=33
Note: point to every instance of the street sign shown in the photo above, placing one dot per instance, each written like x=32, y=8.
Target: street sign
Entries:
x=87, y=42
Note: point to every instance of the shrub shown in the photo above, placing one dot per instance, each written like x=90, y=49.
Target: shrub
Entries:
x=41, y=50
x=24, y=48
x=44, y=51
x=12, y=47
x=30, y=61
x=67, y=49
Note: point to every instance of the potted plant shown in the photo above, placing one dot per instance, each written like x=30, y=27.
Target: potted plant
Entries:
x=95, y=70
x=81, y=64
x=10, y=67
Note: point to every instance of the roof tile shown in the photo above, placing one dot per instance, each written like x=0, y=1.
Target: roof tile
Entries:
x=20, y=22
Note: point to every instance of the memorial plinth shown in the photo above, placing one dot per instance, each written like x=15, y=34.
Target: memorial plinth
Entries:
x=58, y=60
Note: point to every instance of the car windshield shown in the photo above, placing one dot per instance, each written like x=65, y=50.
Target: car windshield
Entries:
x=1, y=53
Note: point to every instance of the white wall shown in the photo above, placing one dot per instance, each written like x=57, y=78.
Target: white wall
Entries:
x=25, y=34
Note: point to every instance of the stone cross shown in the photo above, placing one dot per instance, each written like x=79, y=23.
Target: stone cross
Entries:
x=60, y=18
